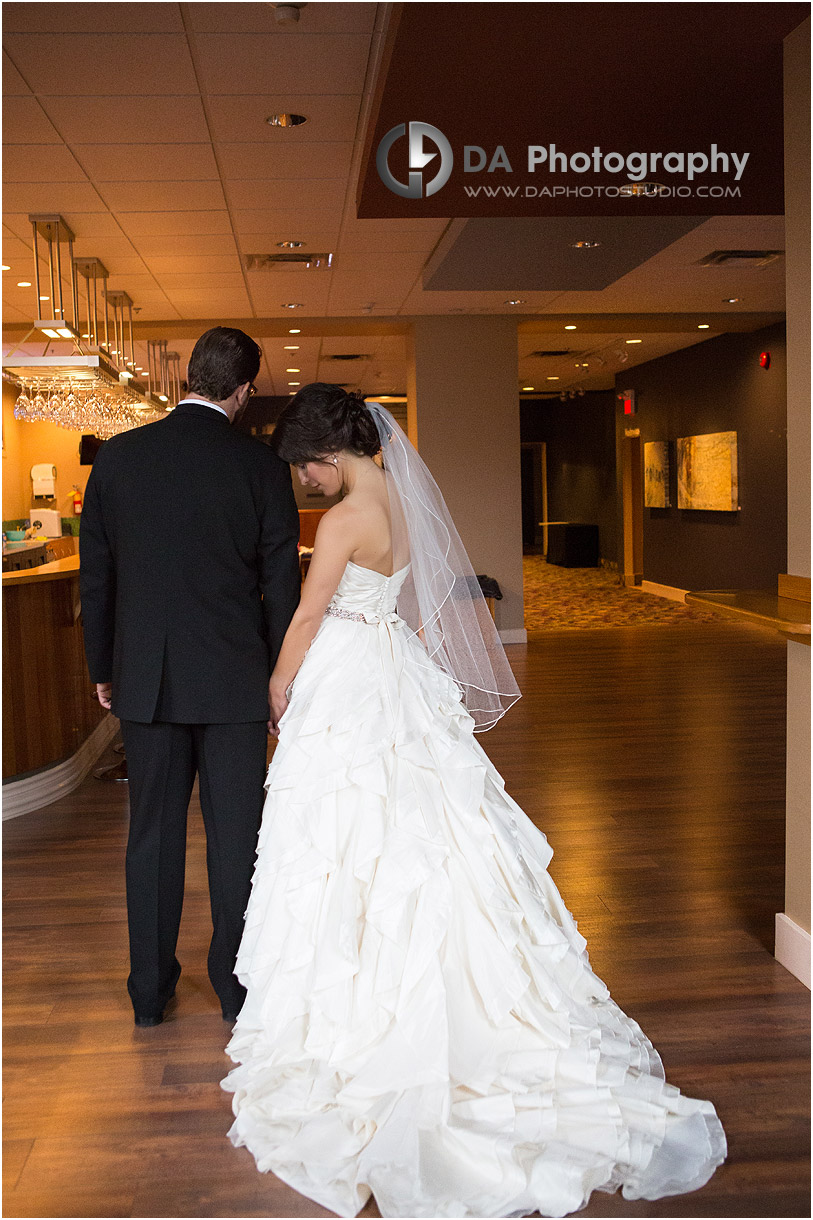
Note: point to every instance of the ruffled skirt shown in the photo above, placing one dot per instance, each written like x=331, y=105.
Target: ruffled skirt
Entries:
x=422, y=1022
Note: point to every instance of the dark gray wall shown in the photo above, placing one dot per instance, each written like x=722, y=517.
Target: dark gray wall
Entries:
x=717, y=386
x=580, y=438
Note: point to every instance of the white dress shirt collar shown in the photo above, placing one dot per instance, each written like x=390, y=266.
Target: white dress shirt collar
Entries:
x=204, y=402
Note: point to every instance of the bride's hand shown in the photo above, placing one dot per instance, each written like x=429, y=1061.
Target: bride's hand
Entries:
x=278, y=702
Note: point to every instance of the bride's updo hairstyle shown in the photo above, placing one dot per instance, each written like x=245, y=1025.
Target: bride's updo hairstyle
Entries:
x=322, y=419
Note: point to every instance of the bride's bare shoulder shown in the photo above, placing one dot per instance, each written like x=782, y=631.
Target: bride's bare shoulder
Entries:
x=341, y=522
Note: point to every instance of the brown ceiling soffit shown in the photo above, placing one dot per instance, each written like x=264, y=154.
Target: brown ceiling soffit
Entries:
x=579, y=109
x=313, y=328
x=260, y=328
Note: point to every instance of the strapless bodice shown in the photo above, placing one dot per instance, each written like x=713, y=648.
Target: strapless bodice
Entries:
x=368, y=593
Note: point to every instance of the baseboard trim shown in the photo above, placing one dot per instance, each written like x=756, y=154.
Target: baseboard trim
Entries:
x=35, y=791
x=668, y=591
x=513, y=635
x=793, y=948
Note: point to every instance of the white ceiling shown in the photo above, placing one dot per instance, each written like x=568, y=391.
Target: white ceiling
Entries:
x=144, y=126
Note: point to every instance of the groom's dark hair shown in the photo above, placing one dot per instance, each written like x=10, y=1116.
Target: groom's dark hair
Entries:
x=222, y=359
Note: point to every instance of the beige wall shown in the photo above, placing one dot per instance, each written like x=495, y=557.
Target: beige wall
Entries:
x=26, y=444
x=464, y=419
x=797, y=260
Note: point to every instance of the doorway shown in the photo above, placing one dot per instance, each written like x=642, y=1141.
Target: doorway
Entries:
x=633, y=509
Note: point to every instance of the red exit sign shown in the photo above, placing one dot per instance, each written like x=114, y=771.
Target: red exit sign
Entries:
x=627, y=398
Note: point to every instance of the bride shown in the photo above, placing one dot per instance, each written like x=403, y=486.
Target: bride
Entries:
x=421, y=1021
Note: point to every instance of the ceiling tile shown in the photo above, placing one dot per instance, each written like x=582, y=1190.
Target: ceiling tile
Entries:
x=92, y=225
x=286, y=193
x=52, y=197
x=200, y=245
x=13, y=83
x=12, y=313
x=106, y=64
x=243, y=117
x=16, y=253
x=163, y=224
x=162, y=196
x=355, y=241
x=40, y=163
x=131, y=119
x=380, y=266
x=190, y=264
x=335, y=63
x=204, y=309
x=256, y=19
x=199, y=282
x=25, y=122
x=90, y=18
x=319, y=230
x=135, y=162
x=267, y=160
x=106, y=248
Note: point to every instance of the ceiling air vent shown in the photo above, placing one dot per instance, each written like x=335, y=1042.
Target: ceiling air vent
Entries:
x=740, y=258
x=273, y=262
x=565, y=351
x=345, y=356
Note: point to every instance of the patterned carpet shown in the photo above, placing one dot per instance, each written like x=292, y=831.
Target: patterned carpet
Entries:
x=593, y=597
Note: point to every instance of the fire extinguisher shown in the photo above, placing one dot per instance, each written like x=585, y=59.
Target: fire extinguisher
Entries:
x=77, y=501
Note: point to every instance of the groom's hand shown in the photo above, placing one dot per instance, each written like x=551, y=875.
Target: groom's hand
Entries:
x=104, y=693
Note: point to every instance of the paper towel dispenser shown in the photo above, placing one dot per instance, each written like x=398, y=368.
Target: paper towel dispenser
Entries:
x=43, y=477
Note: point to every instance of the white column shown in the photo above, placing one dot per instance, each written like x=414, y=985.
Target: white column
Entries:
x=464, y=419
x=793, y=926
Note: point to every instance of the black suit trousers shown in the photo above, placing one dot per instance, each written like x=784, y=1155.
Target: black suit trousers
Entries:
x=162, y=761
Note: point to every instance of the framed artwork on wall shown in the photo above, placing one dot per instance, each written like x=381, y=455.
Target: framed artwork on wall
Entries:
x=707, y=472
x=656, y=474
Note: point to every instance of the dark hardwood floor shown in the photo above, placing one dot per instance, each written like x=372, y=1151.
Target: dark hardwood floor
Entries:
x=652, y=757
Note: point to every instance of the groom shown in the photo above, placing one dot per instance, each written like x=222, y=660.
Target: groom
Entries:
x=189, y=578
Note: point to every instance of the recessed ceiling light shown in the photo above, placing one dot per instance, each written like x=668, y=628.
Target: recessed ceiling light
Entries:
x=163, y=398
x=285, y=119
x=45, y=298
x=293, y=383
x=551, y=378
x=731, y=300
x=294, y=332
x=570, y=327
x=291, y=347
x=292, y=305
x=293, y=370
x=702, y=326
x=633, y=340
x=23, y=283
x=527, y=387
x=585, y=245
x=515, y=301
x=6, y=267
x=290, y=245
x=85, y=336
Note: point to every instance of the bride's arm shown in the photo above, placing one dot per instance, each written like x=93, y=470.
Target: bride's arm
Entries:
x=335, y=542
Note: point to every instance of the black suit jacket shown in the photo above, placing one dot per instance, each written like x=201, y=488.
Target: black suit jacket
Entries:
x=189, y=570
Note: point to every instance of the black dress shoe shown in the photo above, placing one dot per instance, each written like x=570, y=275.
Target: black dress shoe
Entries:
x=149, y=1019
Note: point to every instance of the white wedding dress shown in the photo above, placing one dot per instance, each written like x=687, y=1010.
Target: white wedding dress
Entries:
x=422, y=1022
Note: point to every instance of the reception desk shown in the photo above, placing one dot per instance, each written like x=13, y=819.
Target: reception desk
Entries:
x=49, y=709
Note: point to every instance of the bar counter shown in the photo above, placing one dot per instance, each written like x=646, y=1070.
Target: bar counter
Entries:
x=49, y=708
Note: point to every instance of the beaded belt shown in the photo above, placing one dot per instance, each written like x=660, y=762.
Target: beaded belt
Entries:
x=337, y=612
x=354, y=616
